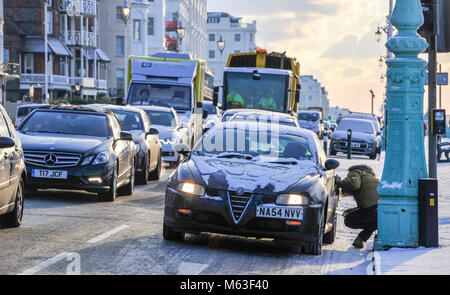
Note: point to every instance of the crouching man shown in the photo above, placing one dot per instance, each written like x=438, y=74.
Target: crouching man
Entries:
x=362, y=184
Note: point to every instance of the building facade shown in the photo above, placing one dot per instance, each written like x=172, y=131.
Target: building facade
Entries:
x=238, y=37
x=335, y=112
x=73, y=57
x=191, y=15
x=143, y=35
x=313, y=95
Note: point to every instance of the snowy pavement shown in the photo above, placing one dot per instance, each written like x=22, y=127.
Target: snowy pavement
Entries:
x=423, y=261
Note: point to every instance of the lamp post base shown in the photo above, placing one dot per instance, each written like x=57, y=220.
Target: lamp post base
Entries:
x=398, y=223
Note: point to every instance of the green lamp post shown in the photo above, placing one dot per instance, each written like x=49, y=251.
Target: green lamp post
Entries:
x=398, y=221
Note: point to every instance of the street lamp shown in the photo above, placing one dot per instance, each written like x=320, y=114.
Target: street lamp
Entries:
x=381, y=61
x=221, y=47
x=383, y=76
x=378, y=34
x=126, y=13
x=78, y=90
x=373, y=97
x=181, y=31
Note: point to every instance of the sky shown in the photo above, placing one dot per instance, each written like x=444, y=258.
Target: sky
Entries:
x=334, y=40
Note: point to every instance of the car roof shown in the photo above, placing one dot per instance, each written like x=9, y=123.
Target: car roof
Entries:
x=308, y=112
x=32, y=105
x=357, y=120
x=155, y=108
x=282, y=129
x=75, y=109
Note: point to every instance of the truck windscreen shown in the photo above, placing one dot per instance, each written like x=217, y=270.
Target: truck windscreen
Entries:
x=178, y=97
x=242, y=91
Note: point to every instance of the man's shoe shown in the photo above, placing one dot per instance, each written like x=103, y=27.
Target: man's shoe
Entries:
x=358, y=243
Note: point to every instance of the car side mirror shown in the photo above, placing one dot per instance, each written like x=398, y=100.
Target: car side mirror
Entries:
x=332, y=164
x=216, y=96
x=183, y=125
x=205, y=115
x=153, y=131
x=119, y=101
x=126, y=136
x=6, y=142
x=199, y=105
x=181, y=148
x=379, y=133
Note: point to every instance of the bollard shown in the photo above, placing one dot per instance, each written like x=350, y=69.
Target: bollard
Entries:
x=325, y=144
x=349, y=144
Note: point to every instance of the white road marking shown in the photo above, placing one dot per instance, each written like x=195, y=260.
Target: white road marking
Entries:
x=188, y=268
x=44, y=264
x=107, y=234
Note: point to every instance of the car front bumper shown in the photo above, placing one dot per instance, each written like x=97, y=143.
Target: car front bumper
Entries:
x=365, y=148
x=212, y=214
x=168, y=154
x=78, y=178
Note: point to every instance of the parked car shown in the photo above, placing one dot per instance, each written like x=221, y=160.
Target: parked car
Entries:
x=265, y=117
x=78, y=148
x=282, y=188
x=311, y=120
x=13, y=175
x=171, y=131
x=24, y=110
x=148, y=148
x=370, y=117
x=365, y=139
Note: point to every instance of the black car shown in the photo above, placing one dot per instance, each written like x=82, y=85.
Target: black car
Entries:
x=12, y=173
x=366, y=140
x=148, y=147
x=258, y=180
x=78, y=148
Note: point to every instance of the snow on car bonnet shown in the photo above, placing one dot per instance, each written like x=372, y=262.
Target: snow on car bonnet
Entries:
x=231, y=174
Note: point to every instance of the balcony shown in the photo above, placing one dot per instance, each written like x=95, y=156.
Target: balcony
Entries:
x=102, y=84
x=78, y=38
x=78, y=7
x=55, y=81
x=89, y=83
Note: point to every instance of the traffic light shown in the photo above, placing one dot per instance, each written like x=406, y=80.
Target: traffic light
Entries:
x=443, y=38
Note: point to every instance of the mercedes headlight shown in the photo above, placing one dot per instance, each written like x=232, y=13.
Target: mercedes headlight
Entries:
x=292, y=200
x=191, y=189
x=101, y=158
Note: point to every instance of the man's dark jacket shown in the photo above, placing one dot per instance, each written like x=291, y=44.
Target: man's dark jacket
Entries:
x=362, y=183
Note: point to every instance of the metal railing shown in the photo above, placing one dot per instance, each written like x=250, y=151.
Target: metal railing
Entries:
x=86, y=7
x=9, y=69
x=78, y=38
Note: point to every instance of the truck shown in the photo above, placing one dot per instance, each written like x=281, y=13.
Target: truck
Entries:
x=260, y=80
x=170, y=80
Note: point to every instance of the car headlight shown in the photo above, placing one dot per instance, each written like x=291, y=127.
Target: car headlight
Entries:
x=292, y=200
x=87, y=161
x=191, y=188
x=101, y=158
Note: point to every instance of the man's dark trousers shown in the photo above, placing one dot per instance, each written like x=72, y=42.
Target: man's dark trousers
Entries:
x=365, y=219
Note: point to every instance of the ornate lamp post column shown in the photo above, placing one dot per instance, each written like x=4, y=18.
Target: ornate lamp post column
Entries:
x=398, y=221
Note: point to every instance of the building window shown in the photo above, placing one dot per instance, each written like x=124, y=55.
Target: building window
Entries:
x=29, y=63
x=136, y=30
x=212, y=54
x=251, y=37
x=151, y=26
x=119, y=13
x=212, y=37
x=6, y=55
x=50, y=22
x=120, y=78
x=237, y=37
x=120, y=45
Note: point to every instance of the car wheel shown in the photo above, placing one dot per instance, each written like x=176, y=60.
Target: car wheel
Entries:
x=170, y=235
x=111, y=194
x=14, y=218
x=143, y=176
x=155, y=174
x=315, y=248
x=129, y=188
x=330, y=236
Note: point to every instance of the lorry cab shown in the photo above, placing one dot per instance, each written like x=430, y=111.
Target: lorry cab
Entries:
x=170, y=82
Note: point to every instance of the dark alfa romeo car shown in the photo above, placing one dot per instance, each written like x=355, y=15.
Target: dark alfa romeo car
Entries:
x=69, y=147
x=255, y=180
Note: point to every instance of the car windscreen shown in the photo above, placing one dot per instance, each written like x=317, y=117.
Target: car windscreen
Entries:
x=248, y=143
x=130, y=121
x=161, y=118
x=269, y=92
x=67, y=123
x=356, y=125
x=313, y=117
x=212, y=110
x=178, y=97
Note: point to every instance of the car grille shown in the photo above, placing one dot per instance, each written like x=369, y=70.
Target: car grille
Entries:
x=238, y=204
x=52, y=159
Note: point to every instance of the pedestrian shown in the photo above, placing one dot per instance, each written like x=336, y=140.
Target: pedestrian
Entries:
x=362, y=183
